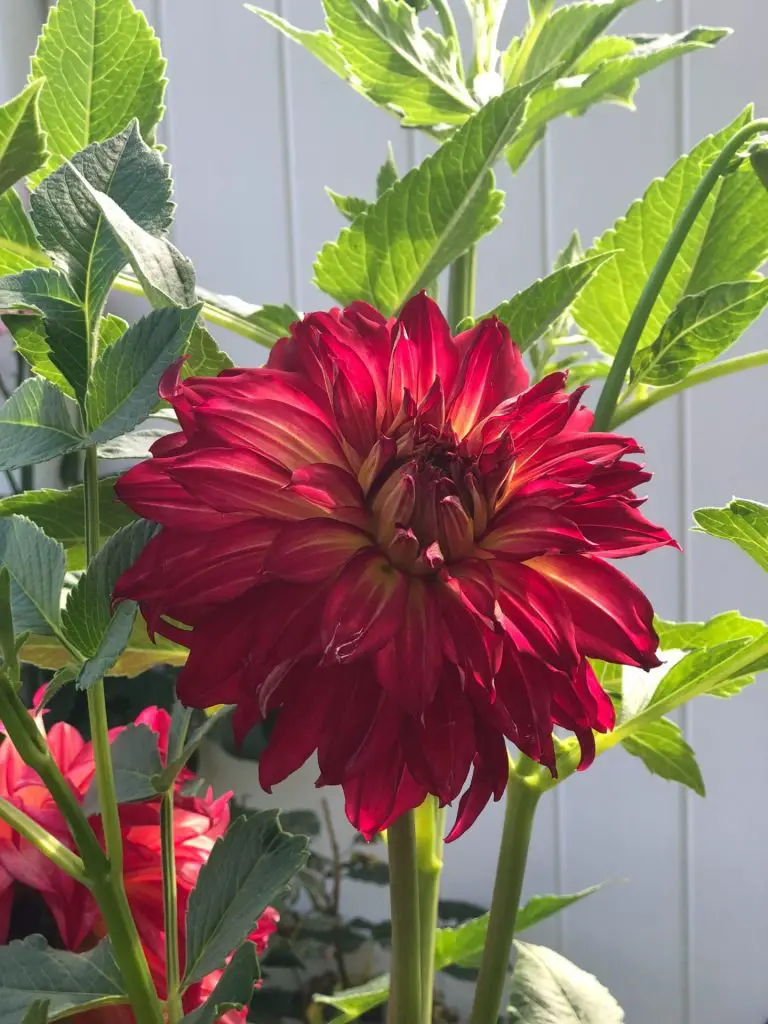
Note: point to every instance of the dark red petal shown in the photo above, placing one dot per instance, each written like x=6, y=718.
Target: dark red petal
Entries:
x=299, y=726
x=152, y=494
x=313, y=550
x=489, y=779
x=440, y=745
x=521, y=532
x=534, y=615
x=424, y=351
x=364, y=608
x=378, y=797
x=491, y=371
x=613, y=618
x=618, y=529
x=408, y=666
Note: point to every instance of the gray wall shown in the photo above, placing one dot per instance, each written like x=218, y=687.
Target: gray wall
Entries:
x=255, y=130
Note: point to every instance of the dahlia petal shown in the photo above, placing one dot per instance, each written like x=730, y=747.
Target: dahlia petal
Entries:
x=297, y=731
x=613, y=618
x=424, y=351
x=153, y=495
x=456, y=529
x=492, y=369
x=379, y=457
x=520, y=533
x=408, y=666
x=534, y=615
x=618, y=530
x=313, y=550
x=440, y=748
x=364, y=608
x=275, y=430
x=240, y=481
x=378, y=797
x=523, y=705
x=489, y=779
x=215, y=567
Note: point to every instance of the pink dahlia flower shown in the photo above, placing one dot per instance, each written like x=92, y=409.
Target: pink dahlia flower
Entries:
x=198, y=822
x=388, y=538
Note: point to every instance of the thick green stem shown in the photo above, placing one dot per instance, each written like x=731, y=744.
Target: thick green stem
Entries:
x=653, y=286
x=430, y=825
x=461, y=288
x=173, y=1006
x=626, y=411
x=405, y=986
x=522, y=799
x=48, y=845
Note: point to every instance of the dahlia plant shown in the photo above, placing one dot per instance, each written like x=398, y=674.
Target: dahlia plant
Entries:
x=394, y=542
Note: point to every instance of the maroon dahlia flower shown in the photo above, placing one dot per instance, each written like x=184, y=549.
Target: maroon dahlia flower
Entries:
x=387, y=537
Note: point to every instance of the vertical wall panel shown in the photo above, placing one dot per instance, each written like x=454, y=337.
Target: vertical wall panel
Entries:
x=618, y=821
x=729, y=420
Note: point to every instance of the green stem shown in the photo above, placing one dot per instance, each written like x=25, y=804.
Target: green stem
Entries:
x=48, y=845
x=108, y=891
x=430, y=825
x=173, y=1005
x=109, y=887
x=522, y=799
x=653, y=286
x=722, y=369
x=212, y=313
x=405, y=986
x=461, y=288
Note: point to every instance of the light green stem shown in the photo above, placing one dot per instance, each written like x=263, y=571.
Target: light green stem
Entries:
x=430, y=825
x=522, y=799
x=615, y=381
x=47, y=844
x=173, y=1005
x=461, y=288
x=726, y=367
x=405, y=985
x=212, y=313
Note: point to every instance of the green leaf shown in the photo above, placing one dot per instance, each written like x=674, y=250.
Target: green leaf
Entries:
x=427, y=219
x=204, y=357
x=697, y=673
x=48, y=292
x=233, y=990
x=22, y=143
x=19, y=248
x=35, y=564
x=247, y=869
x=319, y=44
x=134, y=445
x=135, y=762
x=568, y=32
x=37, y=423
x=397, y=64
x=71, y=227
x=37, y=1012
x=88, y=612
x=548, y=989
x=32, y=972
x=273, y=322
x=611, y=80
x=140, y=654
x=459, y=945
x=693, y=636
x=123, y=388
x=743, y=522
x=605, y=305
x=348, y=206
x=662, y=749
x=113, y=643
x=529, y=313
x=102, y=65
x=700, y=329
x=61, y=515
x=758, y=158
x=388, y=173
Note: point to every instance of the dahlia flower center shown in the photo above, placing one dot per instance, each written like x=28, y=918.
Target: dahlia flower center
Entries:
x=425, y=506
